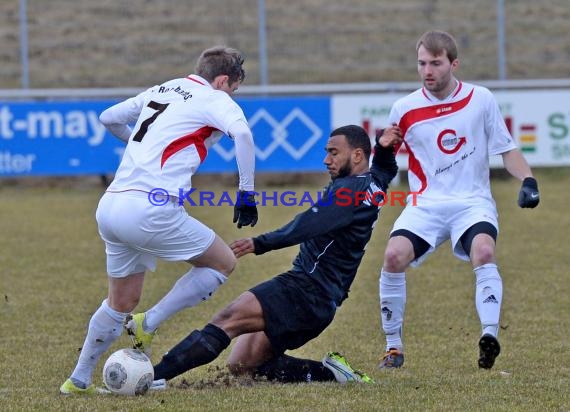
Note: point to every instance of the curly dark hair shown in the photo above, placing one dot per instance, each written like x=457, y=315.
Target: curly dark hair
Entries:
x=356, y=137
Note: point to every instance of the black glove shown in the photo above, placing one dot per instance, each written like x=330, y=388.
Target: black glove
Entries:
x=245, y=210
x=528, y=195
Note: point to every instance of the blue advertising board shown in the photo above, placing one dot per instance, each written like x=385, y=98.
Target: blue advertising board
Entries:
x=55, y=139
x=66, y=138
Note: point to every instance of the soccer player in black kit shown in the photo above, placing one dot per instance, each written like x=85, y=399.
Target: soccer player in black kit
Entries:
x=292, y=308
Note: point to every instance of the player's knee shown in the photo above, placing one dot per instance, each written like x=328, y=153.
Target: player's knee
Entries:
x=226, y=262
x=223, y=318
x=235, y=318
x=228, y=265
x=395, y=260
x=482, y=254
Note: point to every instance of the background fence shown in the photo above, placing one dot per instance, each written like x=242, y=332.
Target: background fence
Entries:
x=137, y=43
x=311, y=66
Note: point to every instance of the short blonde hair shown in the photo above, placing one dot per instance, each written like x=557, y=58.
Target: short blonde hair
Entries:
x=437, y=42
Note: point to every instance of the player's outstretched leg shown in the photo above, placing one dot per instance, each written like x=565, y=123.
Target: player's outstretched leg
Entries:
x=193, y=288
x=342, y=371
x=198, y=348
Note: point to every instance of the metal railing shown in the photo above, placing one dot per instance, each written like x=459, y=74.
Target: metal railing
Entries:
x=278, y=89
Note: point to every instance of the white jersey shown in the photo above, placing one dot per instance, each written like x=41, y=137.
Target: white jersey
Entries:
x=176, y=123
x=449, y=141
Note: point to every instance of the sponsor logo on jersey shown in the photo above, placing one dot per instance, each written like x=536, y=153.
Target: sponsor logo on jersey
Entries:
x=449, y=143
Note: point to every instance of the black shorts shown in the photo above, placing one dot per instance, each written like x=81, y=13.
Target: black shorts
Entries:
x=294, y=309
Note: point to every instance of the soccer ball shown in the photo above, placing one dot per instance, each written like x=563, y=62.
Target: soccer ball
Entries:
x=128, y=372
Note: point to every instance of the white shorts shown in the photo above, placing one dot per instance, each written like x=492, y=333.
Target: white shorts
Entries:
x=136, y=232
x=438, y=222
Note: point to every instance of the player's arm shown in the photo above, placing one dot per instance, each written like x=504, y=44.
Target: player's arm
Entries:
x=327, y=216
x=241, y=134
x=518, y=167
x=516, y=164
x=501, y=142
x=245, y=210
x=384, y=165
x=118, y=117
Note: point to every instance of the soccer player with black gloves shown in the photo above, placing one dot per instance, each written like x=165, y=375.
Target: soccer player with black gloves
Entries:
x=287, y=311
x=449, y=128
x=140, y=217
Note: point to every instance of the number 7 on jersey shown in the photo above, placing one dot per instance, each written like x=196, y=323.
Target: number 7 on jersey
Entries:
x=159, y=107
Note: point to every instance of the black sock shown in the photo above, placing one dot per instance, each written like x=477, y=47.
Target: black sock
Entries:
x=287, y=369
x=196, y=349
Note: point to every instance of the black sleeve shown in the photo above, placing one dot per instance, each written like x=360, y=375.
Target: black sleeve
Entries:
x=384, y=166
x=330, y=214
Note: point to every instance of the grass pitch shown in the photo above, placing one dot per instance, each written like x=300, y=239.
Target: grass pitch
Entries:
x=53, y=278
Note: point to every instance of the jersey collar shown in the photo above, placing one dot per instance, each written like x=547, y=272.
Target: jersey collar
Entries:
x=451, y=96
x=199, y=80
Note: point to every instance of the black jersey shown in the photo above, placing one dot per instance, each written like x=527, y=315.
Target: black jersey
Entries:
x=334, y=232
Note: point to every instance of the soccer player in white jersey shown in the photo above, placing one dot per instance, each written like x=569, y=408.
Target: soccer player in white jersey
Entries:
x=141, y=216
x=449, y=129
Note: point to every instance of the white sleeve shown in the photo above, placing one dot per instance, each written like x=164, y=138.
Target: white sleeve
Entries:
x=245, y=153
x=499, y=139
x=118, y=117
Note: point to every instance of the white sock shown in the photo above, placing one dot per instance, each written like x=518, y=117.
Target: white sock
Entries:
x=488, y=297
x=105, y=326
x=194, y=287
x=392, y=306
